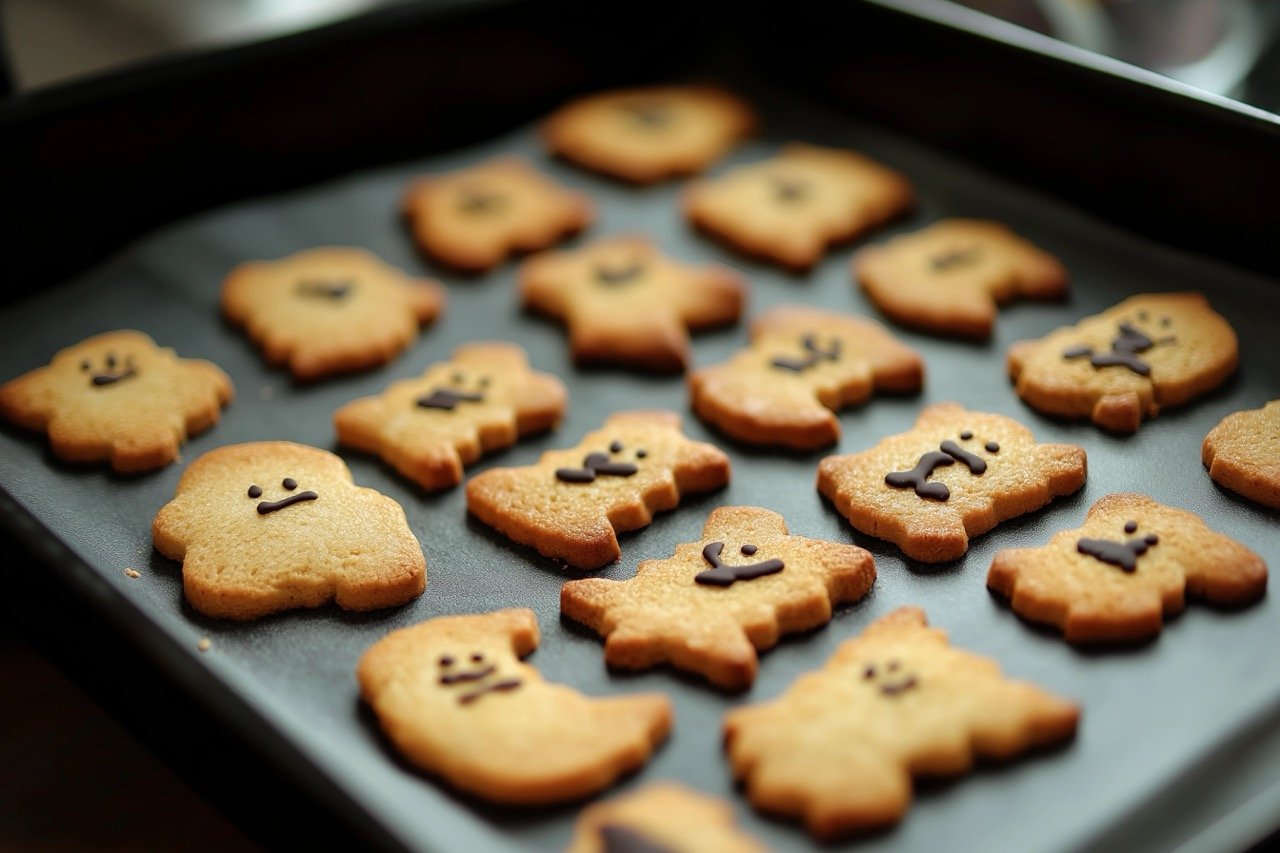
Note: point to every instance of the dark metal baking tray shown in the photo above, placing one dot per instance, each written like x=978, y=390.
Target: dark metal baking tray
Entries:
x=1178, y=736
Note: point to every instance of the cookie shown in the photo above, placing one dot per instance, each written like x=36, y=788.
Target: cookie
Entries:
x=792, y=208
x=455, y=700
x=1148, y=353
x=650, y=134
x=117, y=397
x=802, y=366
x=839, y=749
x=626, y=304
x=273, y=525
x=474, y=218
x=428, y=428
x=711, y=605
x=661, y=818
x=572, y=504
x=1133, y=562
x=1242, y=454
x=954, y=475
x=950, y=278
x=329, y=311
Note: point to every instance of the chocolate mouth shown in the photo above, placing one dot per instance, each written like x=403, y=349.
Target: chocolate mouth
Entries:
x=619, y=275
x=101, y=379
x=461, y=677
x=595, y=464
x=723, y=575
x=334, y=290
x=499, y=686
x=443, y=398
x=895, y=687
x=265, y=507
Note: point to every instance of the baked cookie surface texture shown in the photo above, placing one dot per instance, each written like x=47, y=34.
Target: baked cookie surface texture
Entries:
x=661, y=818
x=1242, y=454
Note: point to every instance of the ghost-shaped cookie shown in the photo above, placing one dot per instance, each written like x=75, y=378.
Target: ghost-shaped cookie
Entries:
x=711, y=605
x=455, y=700
x=954, y=475
x=1242, y=454
x=119, y=398
x=273, y=525
x=483, y=399
x=661, y=818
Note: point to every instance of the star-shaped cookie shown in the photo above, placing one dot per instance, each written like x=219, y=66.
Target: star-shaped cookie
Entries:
x=1242, y=454
x=661, y=818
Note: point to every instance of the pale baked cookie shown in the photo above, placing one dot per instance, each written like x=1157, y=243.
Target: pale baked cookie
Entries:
x=472, y=219
x=481, y=400
x=119, y=398
x=329, y=311
x=1148, y=353
x=1242, y=454
x=950, y=277
x=626, y=304
x=272, y=526
x=792, y=208
x=711, y=605
x=954, y=475
x=1132, y=563
x=646, y=135
x=661, y=818
x=840, y=747
x=572, y=504
x=802, y=366
x=455, y=700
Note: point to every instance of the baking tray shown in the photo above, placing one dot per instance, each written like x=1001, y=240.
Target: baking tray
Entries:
x=1178, y=742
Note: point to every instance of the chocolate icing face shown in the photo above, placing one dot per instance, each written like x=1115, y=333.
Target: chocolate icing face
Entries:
x=1122, y=554
x=615, y=838
x=724, y=575
x=816, y=354
x=473, y=199
x=447, y=399
x=334, y=290
x=601, y=465
x=890, y=677
x=475, y=673
x=948, y=453
x=614, y=276
x=650, y=115
x=114, y=370
x=1124, y=348
x=789, y=189
x=955, y=259
x=289, y=484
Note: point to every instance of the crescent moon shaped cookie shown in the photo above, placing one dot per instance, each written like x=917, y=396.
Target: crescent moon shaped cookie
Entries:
x=1242, y=454
x=661, y=818
x=455, y=699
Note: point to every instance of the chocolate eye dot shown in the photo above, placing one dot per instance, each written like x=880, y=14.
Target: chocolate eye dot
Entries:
x=1152, y=539
x=641, y=453
x=966, y=435
x=615, y=447
x=992, y=447
x=457, y=378
x=1143, y=316
x=84, y=365
x=893, y=666
x=749, y=549
x=1130, y=526
x=446, y=660
x=1165, y=321
x=869, y=672
x=111, y=361
x=484, y=382
x=255, y=491
x=476, y=657
x=289, y=483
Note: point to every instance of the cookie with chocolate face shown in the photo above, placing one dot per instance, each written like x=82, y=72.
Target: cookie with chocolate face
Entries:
x=792, y=208
x=712, y=604
x=481, y=400
x=1242, y=454
x=455, y=700
x=118, y=398
x=954, y=475
x=271, y=526
x=840, y=748
x=661, y=818
x=1133, y=562
x=329, y=311
x=1148, y=353
x=649, y=134
x=803, y=365
x=625, y=304
x=951, y=277
x=572, y=504
x=474, y=218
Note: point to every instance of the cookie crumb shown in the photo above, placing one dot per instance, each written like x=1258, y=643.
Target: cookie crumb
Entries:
x=205, y=644
x=132, y=573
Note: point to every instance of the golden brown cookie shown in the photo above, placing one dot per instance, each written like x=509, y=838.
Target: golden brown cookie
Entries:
x=840, y=747
x=428, y=428
x=1133, y=562
x=118, y=397
x=950, y=278
x=1242, y=454
x=572, y=504
x=454, y=698
x=273, y=525
x=954, y=475
x=473, y=219
x=329, y=311
x=661, y=818
x=792, y=208
x=649, y=134
x=711, y=605
x=1148, y=353
x=802, y=366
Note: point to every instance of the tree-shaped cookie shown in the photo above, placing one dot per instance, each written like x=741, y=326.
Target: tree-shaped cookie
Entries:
x=1132, y=563
x=1148, y=353
x=331, y=310
x=428, y=428
x=661, y=818
x=950, y=277
x=474, y=218
x=455, y=699
x=802, y=366
x=840, y=747
x=272, y=526
x=645, y=135
x=572, y=503
x=626, y=304
x=792, y=208
x=709, y=607
x=118, y=397
x=1242, y=454
x=954, y=475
